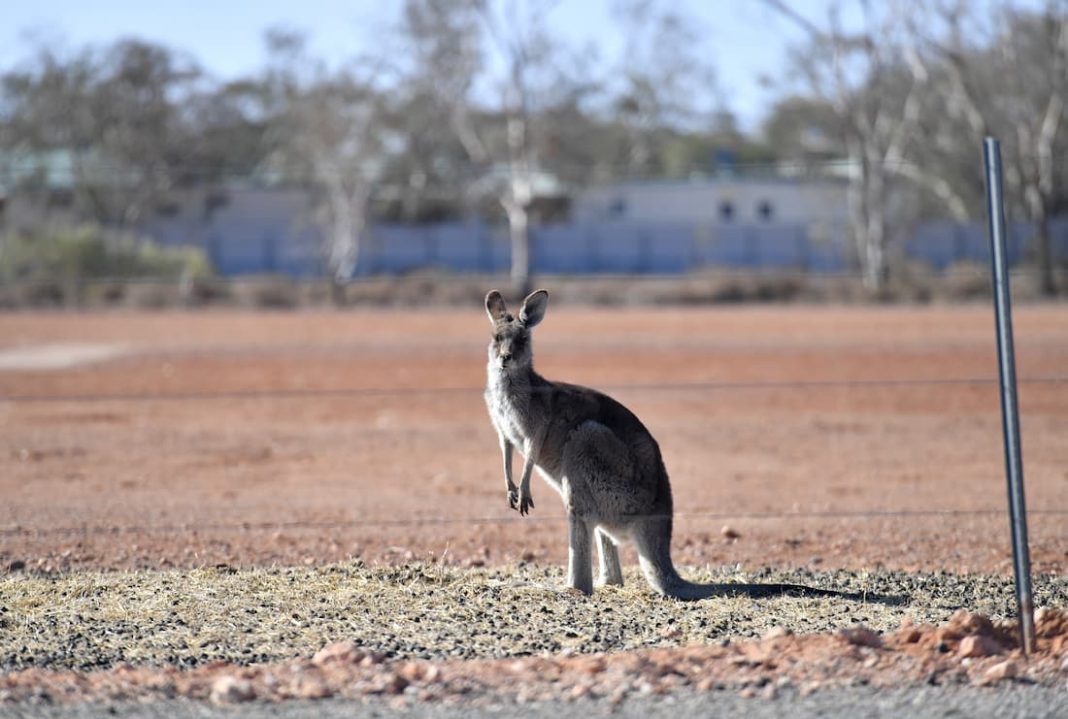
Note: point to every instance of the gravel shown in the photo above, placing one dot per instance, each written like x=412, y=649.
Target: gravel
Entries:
x=190, y=618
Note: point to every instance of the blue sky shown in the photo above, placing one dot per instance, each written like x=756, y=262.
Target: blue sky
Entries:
x=745, y=41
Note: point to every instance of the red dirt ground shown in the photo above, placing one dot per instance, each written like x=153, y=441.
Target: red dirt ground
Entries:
x=825, y=437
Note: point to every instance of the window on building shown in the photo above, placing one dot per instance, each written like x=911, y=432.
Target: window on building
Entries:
x=765, y=211
x=726, y=210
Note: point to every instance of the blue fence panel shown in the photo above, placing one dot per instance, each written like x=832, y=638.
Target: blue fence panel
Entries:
x=399, y=249
x=779, y=246
x=300, y=255
x=670, y=248
x=614, y=247
x=465, y=247
x=1058, y=231
x=241, y=254
x=732, y=246
x=558, y=249
x=601, y=247
x=938, y=243
x=617, y=247
x=767, y=245
x=941, y=243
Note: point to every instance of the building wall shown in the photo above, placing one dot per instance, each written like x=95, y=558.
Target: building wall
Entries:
x=270, y=231
x=716, y=202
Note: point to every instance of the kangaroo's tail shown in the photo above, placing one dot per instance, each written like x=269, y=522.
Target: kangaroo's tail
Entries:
x=654, y=555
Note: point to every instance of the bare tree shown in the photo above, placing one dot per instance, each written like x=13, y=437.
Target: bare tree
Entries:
x=115, y=113
x=519, y=35
x=1004, y=72
x=663, y=79
x=874, y=78
x=331, y=128
x=458, y=42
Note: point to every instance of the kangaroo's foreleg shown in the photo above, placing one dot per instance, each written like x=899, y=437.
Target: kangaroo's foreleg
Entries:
x=513, y=493
x=531, y=449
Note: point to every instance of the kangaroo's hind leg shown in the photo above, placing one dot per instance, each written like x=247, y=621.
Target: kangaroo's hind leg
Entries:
x=579, y=558
x=611, y=572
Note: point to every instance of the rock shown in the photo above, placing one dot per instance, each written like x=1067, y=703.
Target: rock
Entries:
x=339, y=652
x=777, y=632
x=16, y=565
x=911, y=636
x=390, y=683
x=229, y=689
x=967, y=622
x=706, y=685
x=313, y=688
x=1007, y=669
x=861, y=636
x=591, y=666
x=978, y=645
x=418, y=671
x=578, y=691
x=730, y=533
x=371, y=659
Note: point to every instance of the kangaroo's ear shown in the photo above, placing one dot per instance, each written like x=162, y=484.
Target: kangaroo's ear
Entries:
x=495, y=307
x=534, y=307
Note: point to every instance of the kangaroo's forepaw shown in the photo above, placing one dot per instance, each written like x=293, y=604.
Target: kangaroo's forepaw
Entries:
x=526, y=503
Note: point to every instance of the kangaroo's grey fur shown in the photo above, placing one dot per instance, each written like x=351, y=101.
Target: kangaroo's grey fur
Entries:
x=591, y=449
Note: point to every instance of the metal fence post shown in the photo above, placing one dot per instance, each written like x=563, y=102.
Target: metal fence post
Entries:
x=1010, y=417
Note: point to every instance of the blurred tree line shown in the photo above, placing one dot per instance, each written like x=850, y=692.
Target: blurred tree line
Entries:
x=477, y=107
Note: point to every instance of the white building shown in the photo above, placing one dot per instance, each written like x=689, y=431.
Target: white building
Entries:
x=718, y=201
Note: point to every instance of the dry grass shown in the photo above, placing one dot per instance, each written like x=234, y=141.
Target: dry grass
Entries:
x=189, y=618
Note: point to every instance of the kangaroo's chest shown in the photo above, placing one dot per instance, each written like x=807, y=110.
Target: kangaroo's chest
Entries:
x=511, y=418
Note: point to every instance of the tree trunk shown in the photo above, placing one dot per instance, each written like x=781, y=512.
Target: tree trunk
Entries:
x=866, y=196
x=876, y=267
x=1037, y=205
x=519, y=233
x=348, y=217
x=1047, y=282
x=520, y=192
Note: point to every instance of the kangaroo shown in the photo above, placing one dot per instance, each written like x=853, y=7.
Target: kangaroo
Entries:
x=591, y=449
x=600, y=458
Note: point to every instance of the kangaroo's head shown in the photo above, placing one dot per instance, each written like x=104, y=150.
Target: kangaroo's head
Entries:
x=509, y=350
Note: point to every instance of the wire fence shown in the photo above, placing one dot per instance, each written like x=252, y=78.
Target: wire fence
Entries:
x=303, y=393
x=209, y=527
x=418, y=522
x=281, y=394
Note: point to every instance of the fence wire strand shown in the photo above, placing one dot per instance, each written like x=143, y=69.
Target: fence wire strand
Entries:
x=437, y=521
x=355, y=392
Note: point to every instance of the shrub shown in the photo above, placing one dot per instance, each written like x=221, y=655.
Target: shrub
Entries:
x=90, y=252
